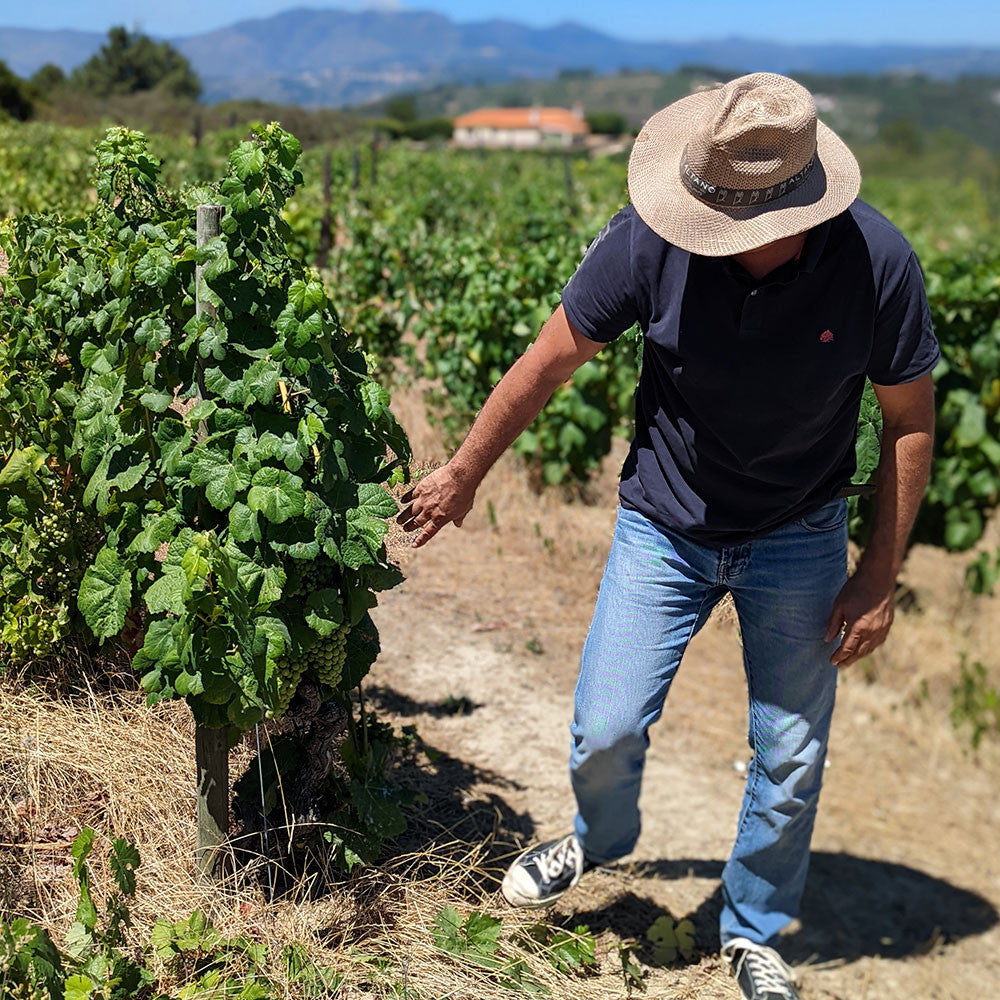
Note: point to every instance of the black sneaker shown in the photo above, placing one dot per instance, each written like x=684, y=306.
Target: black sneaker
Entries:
x=543, y=873
x=759, y=971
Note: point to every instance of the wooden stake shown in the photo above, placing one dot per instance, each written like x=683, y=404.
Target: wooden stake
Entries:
x=325, y=236
x=208, y=222
x=212, y=762
x=210, y=750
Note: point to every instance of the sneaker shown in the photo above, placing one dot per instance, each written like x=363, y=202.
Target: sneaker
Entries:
x=544, y=873
x=759, y=971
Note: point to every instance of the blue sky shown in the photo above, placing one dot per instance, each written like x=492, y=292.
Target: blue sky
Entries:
x=972, y=22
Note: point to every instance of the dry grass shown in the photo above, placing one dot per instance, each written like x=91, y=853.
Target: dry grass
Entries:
x=106, y=761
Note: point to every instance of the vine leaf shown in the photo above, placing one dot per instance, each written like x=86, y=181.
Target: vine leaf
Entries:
x=669, y=941
x=277, y=494
x=123, y=860
x=326, y=611
x=106, y=594
x=155, y=268
x=23, y=464
x=221, y=477
x=247, y=159
x=170, y=592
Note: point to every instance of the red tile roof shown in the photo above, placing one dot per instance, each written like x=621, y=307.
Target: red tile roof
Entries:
x=546, y=119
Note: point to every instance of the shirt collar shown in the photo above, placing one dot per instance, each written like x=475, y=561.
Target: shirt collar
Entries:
x=814, y=246
x=806, y=261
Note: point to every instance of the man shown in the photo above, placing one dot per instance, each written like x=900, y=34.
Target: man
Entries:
x=767, y=294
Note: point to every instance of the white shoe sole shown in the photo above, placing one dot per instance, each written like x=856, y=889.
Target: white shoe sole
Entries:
x=515, y=895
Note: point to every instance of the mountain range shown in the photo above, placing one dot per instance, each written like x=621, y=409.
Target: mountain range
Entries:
x=331, y=57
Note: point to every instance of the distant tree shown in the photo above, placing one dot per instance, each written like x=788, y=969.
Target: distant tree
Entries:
x=403, y=108
x=15, y=97
x=46, y=79
x=576, y=73
x=130, y=62
x=902, y=135
x=430, y=128
x=514, y=97
x=722, y=73
x=607, y=122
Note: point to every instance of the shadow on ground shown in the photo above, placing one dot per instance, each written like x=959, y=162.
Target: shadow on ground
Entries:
x=387, y=699
x=852, y=907
x=462, y=819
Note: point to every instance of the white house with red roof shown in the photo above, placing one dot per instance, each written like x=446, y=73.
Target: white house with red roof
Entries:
x=520, y=128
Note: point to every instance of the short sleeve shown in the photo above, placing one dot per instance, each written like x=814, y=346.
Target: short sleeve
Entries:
x=599, y=300
x=904, y=347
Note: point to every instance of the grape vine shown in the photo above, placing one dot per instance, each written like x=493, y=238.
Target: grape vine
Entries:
x=234, y=462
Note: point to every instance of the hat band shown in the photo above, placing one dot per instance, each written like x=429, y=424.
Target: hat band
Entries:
x=715, y=194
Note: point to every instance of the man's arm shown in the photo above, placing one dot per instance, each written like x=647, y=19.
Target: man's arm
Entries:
x=865, y=605
x=447, y=494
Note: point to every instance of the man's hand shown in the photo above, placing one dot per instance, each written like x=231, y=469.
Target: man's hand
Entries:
x=865, y=608
x=865, y=605
x=438, y=498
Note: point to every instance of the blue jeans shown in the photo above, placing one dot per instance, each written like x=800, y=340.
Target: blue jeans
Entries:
x=657, y=591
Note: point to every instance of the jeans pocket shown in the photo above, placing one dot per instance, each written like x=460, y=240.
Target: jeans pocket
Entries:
x=831, y=515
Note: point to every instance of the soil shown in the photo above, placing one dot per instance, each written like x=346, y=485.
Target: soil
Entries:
x=481, y=647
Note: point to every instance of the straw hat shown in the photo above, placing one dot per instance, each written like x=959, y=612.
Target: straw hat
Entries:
x=730, y=169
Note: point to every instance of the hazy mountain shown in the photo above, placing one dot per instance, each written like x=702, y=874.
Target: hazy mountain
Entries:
x=25, y=49
x=332, y=57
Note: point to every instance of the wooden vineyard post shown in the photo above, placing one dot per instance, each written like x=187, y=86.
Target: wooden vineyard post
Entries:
x=211, y=756
x=357, y=169
x=210, y=750
x=325, y=235
x=568, y=176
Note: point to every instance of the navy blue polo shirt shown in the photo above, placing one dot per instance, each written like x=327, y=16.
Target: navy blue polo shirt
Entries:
x=747, y=405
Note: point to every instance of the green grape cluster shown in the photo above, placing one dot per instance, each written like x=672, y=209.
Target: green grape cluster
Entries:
x=37, y=607
x=31, y=628
x=326, y=660
x=67, y=539
x=328, y=656
x=315, y=575
x=290, y=671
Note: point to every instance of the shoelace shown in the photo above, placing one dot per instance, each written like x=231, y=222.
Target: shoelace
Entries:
x=769, y=972
x=552, y=863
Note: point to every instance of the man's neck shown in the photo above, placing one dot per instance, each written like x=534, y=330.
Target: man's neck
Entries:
x=762, y=261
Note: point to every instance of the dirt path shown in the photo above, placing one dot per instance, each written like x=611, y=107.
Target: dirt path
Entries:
x=904, y=886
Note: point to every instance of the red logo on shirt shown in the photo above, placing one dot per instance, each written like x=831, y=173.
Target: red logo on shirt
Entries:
x=826, y=336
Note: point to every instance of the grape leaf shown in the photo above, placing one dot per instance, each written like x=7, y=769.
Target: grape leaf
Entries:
x=221, y=477
x=277, y=494
x=105, y=594
x=155, y=267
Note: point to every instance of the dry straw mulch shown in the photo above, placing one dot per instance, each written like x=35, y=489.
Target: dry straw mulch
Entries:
x=106, y=760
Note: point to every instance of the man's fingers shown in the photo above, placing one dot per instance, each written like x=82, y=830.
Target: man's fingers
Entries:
x=409, y=511
x=415, y=521
x=426, y=535
x=849, y=645
x=858, y=654
x=857, y=644
x=834, y=623
x=869, y=644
